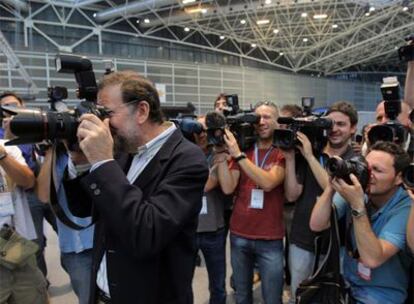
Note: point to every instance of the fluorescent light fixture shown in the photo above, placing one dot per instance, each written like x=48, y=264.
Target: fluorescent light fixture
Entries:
x=222, y=37
x=186, y=29
x=188, y=1
x=262, y=22
x=303, y=15
x=195, y=10
x=253, y=45
x=268, y=1
x=146, y=20
x=371, y=9
x=305, y=39
x=281, y=54
x=334, y=26
x=275, y=31
x=320, y=16
x=243, y=21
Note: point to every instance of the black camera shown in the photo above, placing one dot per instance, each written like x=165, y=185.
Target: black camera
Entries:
x=392, y=130
x=32, y=126
x=357, y=165
x=314, y=127
x=406, y=52
x=241, y=125
x=232, y=102
x=408, y=176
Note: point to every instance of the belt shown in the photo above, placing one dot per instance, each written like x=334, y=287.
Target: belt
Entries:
x=103, y=298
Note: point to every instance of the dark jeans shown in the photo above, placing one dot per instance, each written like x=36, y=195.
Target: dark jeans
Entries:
x=40, y=211
x=269, y=257
x=212, y=245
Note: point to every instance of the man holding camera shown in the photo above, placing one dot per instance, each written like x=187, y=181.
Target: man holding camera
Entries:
x=145, y=199
x=257, y=222
x=376, y=264
x=305, y=179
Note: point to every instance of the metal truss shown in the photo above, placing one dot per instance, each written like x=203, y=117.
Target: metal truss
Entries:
x=287, y=34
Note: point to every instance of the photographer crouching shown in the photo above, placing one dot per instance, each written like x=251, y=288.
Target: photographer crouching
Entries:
x=376, y=264
x=144, y=190
x=256, y=224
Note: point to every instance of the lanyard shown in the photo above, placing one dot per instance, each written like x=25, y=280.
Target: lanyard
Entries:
x=256, y=156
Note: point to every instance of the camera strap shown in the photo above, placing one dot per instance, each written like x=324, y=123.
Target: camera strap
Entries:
x=54, y=201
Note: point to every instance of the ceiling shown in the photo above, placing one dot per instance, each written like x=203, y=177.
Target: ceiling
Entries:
x=315, y=36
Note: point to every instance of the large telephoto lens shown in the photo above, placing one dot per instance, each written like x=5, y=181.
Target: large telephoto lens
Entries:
x=408, y=176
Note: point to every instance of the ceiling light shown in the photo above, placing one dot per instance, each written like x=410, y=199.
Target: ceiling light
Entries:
x=268, y=1
x=253, y=45
x=262, y=22
x=281, y=53
x=243, y=21
x=305, y=39
x=188, y=1
x=146, y=20
x=405, y=8
x=94, y=15
x=186, y=29
x=303, y=15
x=371, y=9
x=275, y=31
x=222, y=37
x=137, y=21
x=320, y=16
x=367, y=14
x=204, y=10
x=334, y=26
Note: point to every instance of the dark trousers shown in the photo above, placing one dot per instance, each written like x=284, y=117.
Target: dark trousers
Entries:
x=212, y=245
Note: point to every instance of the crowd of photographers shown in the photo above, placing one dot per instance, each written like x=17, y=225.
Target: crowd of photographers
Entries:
x=303, y=203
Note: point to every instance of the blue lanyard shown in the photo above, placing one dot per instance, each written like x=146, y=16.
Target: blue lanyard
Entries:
x=256, y=156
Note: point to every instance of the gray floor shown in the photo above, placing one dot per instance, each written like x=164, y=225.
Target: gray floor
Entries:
x=61, y=291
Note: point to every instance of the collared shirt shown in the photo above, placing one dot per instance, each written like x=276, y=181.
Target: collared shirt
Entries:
x=71, y=240
x=144, y=155
x=389, y=282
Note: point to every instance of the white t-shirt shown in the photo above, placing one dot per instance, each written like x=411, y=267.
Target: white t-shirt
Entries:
x=17, y=214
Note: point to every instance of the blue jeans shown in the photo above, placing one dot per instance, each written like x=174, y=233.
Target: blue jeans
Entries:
x=269, y=258
x=79, y=268
x=213, y=247
x=301, y=266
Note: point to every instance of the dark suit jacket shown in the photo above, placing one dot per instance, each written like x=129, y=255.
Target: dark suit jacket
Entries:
x=146, y=229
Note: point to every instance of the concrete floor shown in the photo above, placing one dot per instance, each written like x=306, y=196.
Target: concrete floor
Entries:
x=61, y=292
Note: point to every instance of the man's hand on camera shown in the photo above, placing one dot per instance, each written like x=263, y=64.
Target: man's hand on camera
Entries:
x=353, y=194
x=231, y=143
x=95, y=139
x=306, y=147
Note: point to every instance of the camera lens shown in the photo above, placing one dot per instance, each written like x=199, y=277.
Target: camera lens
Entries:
x=380, y=133
x=408, y=176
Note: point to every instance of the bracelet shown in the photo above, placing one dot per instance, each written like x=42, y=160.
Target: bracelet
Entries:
x=240, y=157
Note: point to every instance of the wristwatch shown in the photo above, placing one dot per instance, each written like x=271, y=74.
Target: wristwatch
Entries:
x=3, y=155
x=358, y=213
x=240, y=157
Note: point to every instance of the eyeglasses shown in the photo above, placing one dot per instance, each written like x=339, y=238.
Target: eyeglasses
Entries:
x=112, y=111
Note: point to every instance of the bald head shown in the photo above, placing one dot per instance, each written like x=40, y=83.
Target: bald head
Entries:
x=403, y=117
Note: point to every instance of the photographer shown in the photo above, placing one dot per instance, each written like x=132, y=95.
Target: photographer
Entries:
x=220, y=104
x=75, y=245
x=145, y=198
x=21, y=280
x=211, y=233
x=257, y=222
x=305, y=179
x=376, y=265
x=39, y=211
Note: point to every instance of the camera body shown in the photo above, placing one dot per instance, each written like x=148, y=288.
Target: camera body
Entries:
x=314, y=127
x=232, y=102
x=241, y=125
x=406, y=52
x=32, y=126
x=392, y=130
x=357, y=165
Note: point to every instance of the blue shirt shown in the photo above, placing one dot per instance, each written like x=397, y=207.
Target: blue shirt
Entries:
x=389, y=282
x=71, y=240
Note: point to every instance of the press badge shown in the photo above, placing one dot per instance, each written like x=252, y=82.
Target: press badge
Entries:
x=204, y=205
x=6, y=204
x=257, y=199
x=364, y=272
